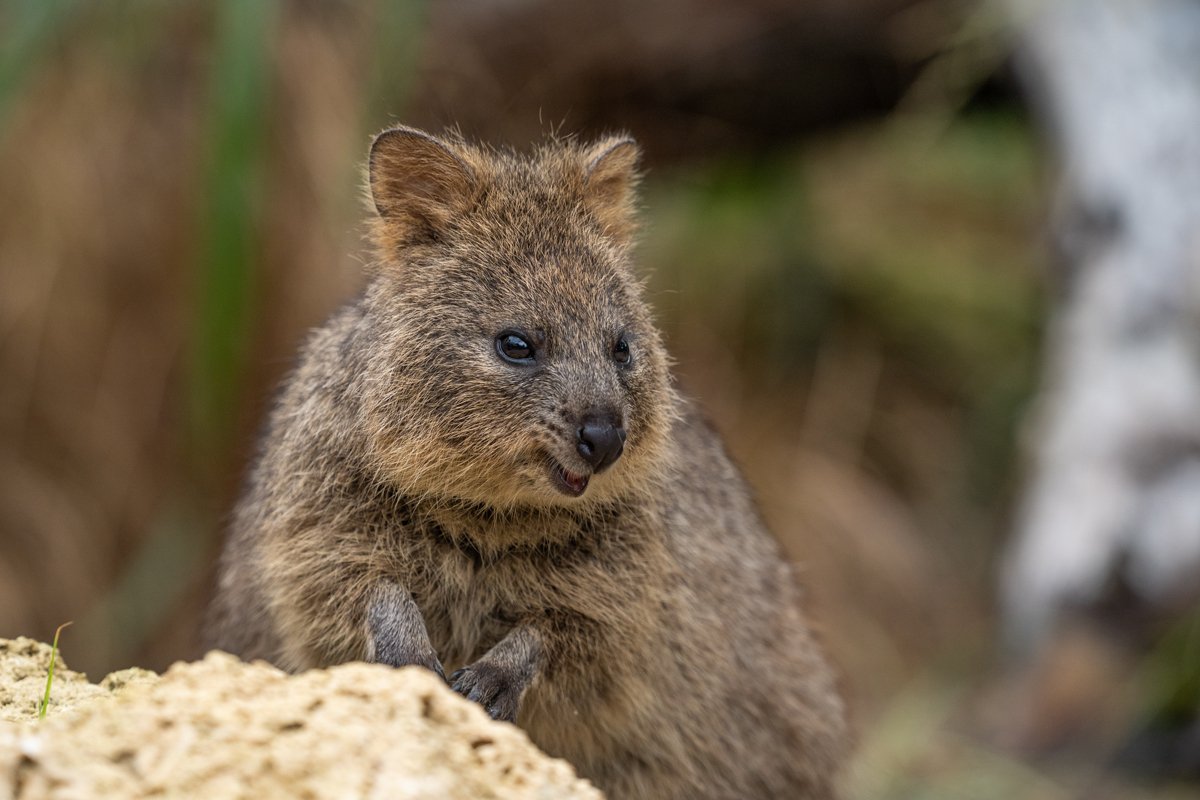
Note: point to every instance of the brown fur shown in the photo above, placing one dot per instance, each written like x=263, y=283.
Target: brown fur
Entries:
x=402, y=507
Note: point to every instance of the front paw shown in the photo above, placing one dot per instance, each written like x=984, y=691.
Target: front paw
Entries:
x=498, y=689
x=401, y=657
x=396, y=633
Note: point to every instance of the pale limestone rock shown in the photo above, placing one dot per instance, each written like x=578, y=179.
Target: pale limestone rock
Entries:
x=218, y=728
x=23, y=666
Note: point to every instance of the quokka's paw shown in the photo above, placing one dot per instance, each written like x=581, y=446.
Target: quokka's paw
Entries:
x=496, y=688
x=407, y=657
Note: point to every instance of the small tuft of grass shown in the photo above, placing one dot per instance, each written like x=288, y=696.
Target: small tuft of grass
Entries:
x=50, y=675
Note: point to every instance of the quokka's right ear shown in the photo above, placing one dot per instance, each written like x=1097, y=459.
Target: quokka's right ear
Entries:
x=417, y=182
x=611, y=178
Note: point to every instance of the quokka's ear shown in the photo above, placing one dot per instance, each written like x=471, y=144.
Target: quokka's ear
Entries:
x=417, y=182
x=611, y=178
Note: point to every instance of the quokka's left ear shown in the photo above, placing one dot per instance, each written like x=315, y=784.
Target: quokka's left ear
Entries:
x=610, y=184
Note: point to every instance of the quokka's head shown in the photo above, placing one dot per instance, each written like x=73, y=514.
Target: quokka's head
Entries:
x=513, y=358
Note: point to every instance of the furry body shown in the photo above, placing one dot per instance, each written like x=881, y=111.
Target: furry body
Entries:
x=404, y=507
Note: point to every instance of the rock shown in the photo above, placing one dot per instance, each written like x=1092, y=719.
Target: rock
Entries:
x=220, y=728
x=23, y=666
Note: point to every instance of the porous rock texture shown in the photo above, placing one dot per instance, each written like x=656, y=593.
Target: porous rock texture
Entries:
x=219, y=728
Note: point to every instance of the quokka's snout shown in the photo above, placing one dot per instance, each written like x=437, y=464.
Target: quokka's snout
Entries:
x=600, y=438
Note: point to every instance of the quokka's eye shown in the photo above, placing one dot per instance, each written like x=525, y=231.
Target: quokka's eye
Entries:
x=514, y=348
x=621, y=351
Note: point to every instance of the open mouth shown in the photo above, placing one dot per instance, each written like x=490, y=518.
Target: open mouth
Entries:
x=568, y=482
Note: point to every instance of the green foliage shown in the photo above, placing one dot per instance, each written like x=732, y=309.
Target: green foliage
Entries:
x=933, y=241
x=921, y=247
x=729, y=249
x=231, y=216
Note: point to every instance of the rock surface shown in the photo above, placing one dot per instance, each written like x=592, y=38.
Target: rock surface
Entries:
x=218, y=728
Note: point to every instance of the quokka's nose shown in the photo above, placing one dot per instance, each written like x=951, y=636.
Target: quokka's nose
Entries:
x=601, y=440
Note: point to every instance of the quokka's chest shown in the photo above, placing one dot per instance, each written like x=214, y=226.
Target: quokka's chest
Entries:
x=468, y=611
x=471, y=598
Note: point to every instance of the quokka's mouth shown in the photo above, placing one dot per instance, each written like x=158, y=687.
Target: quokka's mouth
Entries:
x=567, y=482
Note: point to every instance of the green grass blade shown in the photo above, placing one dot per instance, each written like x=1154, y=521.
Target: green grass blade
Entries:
x=50, y=674
x=232, y=210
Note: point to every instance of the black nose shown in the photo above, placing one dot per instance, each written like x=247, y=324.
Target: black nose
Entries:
x=601, y=440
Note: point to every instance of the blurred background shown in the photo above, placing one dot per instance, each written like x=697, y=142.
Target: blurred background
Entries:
x=865, y=238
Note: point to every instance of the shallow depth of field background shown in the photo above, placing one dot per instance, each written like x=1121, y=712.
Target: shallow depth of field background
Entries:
x=844, y=217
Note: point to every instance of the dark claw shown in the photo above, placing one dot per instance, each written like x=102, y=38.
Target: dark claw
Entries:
x=430, y=662
x=454, y=676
